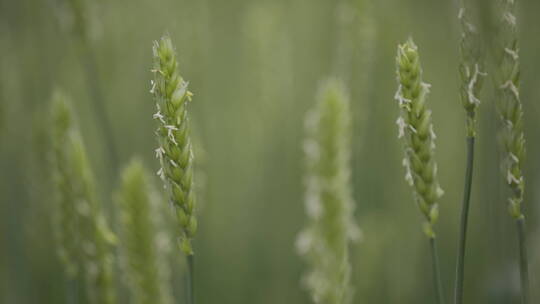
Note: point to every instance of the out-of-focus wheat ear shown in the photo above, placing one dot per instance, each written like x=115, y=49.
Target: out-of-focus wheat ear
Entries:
x=140, y=244
x=511, y=132
x=470, y=70
x=96, y=237
x=65, y=215
x=324, y=243
x=84, y=238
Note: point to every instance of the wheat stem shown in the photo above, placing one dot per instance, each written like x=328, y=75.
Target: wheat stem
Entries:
x=523, y=260
x=471, y=84
x=191, y=278
x=460, y=268
x=436, y=270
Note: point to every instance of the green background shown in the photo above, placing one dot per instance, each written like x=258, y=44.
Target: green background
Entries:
x=254, y=67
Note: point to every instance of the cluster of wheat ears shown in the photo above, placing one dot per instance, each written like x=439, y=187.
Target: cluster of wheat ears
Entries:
x=88, y=246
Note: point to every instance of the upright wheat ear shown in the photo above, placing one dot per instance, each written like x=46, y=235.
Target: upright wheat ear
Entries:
x=416, y=129
x=88, y=245
x=325, y=241
x=471, y=84
x=470, y=68
x=140, y=248
x=175, y=152
x=510, y=108
x=66, y=228
x=511, y=133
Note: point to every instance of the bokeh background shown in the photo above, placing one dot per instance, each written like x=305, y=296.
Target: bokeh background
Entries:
x=254, y=67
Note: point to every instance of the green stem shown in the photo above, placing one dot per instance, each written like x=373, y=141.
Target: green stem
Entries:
x=191, y=279
x=436, y=271
x=523, y=260
x=460, y=267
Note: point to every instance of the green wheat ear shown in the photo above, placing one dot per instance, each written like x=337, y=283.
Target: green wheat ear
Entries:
x=510, y=107
x=66, y=216
x=324, y=243
x=470, y=69
x=87, y=246
x=175, y=150
x=416, y=129
x=140, y=237
x=471, y=84
x=511, y=133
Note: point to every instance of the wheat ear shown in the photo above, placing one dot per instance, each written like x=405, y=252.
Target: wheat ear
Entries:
x=416, y=129
x=324, y=243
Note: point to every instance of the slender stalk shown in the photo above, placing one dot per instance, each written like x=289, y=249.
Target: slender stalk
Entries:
x=511, y=132
x=470, y=67
x=523, y=260
x=191, y=278
x=436, y=271
x=460, y=268
x=416, y=128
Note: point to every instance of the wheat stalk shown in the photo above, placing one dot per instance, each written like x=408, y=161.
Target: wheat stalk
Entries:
x=175, y=153
x=85, y=240
x=66, y=216
x=511, y=133
x=416, y=129
x=471, y=83
x=324, y=243
x=141, y=249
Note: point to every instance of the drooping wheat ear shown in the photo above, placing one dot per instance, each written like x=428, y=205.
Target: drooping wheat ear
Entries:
x=470, y=68
x=324, y=243
x=511, y=133
x=416, y=129
x=140, y=246
x=91, y=239
x=471, y=84
x=174, y=152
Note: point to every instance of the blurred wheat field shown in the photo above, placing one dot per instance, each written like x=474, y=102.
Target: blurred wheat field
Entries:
x=254, y=67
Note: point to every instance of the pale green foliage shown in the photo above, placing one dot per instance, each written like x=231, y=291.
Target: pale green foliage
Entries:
x=66, y=216
x=324, y=243
x=416, y=129
x=172, y=99
x=142, y=245
x=510, y=107
x=470, y=68
x=85, y=239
